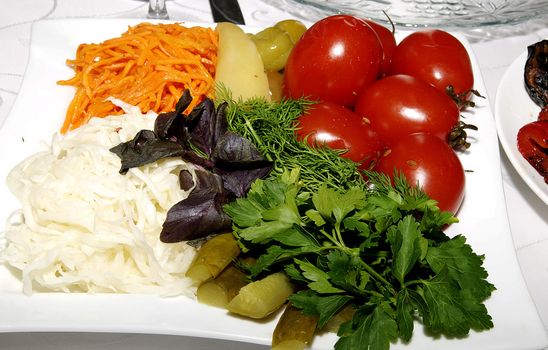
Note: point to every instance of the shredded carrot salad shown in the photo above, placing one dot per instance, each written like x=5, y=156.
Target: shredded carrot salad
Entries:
x=149, y=66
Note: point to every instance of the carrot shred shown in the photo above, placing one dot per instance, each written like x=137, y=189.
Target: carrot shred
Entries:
x=149, y=66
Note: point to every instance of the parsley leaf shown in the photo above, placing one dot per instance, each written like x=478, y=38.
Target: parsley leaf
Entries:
x=368, y=331
x=445, y=313
x=320, y=279
x=380, y=251
x=463, y=265
x=404, y=239
x=323, y=306
x=404, y=316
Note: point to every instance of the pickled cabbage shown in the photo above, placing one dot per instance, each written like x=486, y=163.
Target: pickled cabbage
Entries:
x=83, y=227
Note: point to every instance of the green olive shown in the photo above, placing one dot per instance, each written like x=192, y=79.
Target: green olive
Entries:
x=274, y=46
x=294, y=28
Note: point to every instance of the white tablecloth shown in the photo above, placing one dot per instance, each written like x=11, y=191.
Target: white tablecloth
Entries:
x=495, y=50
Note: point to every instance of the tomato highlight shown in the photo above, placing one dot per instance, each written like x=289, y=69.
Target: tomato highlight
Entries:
x=337, y=127
x=399, y=105
x=435, y=57
x=334, y=60
x=430, y=163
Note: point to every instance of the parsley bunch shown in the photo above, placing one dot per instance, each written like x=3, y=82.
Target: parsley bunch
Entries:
x=379, y=249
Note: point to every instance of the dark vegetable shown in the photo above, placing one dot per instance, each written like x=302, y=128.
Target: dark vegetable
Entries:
x=201, y=213
x=145, y=148
x=226, y=165
x=536, y=73
x=239, y=163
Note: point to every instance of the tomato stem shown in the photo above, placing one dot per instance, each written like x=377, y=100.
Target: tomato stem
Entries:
x=458, y=137
x=462, y=99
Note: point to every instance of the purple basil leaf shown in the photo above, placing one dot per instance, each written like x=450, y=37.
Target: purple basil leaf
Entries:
x=221, y=123
x=231, y=163
x=143, y=149
x=239, y=163
x=232, y=148
x=164, y=125
x=207, y=179
x=238, y=182
x=185, y=180
x=192, y=157
x=173, y=125
x=183, y=102
x=201, y=126
x=200, y=214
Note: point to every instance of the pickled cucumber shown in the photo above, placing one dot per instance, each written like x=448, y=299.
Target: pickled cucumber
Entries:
x=345, y=314
x=294, y=330
x=263, y=297
x=213, y=257
x=222, y=289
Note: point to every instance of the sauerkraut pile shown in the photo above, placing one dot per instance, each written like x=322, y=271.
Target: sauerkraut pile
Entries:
x=84, y=227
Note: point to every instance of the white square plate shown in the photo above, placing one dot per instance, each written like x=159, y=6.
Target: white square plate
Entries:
x=39, y=112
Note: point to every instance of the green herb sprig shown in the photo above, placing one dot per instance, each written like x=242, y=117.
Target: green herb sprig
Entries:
x=380, y=249
x=271, y=126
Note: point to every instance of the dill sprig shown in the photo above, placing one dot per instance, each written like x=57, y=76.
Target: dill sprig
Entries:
x=271, y=127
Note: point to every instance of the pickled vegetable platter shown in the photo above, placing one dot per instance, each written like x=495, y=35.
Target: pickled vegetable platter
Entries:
x=161, y=315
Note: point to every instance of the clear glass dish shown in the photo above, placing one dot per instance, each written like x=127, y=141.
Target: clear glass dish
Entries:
x=452, y=14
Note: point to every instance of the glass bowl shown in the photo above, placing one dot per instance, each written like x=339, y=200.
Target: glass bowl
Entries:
x=450, y=14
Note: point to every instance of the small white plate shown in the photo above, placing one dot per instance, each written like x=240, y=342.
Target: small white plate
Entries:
x=39, y=112
x=513, y=109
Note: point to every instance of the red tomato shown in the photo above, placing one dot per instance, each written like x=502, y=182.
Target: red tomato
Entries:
x=436, y=57
x=388, y=43
x=431, y=163
x=533, y=146
x=399, y=105
x=339, y=128
x=334, y=61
